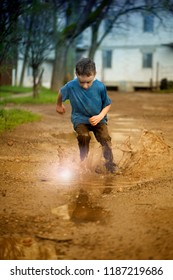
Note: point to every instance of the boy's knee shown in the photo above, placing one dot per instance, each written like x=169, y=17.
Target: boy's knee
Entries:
x=102, y=134
x=84, y=137
x=105, y=140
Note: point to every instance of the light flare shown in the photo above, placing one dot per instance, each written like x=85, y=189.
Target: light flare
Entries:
x=65, y=173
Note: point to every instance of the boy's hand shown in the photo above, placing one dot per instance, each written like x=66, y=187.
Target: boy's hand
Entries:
x=96, y=119
x=60, y=109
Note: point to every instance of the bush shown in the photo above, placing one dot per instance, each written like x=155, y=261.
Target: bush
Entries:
x=165, y=84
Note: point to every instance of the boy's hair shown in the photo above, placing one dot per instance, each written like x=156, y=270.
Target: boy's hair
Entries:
x=85, y=66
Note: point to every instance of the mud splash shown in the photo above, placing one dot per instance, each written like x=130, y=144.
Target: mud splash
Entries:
x=151, y=157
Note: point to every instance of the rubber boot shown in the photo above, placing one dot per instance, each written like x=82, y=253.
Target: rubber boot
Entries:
x=108, y=155
x=83, y=142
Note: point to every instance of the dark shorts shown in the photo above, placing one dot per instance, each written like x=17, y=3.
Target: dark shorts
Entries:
x=100, y=132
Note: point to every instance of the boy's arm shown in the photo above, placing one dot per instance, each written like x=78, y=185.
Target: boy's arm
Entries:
x=96, y=119
x=59, y=106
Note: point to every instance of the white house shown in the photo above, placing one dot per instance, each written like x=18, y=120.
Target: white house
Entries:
x=135, y=57
x=138, y=57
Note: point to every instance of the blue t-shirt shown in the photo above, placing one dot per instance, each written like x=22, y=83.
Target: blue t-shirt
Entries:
x=85, y=103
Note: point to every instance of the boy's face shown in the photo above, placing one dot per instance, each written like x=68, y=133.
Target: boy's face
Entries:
x=85, y=81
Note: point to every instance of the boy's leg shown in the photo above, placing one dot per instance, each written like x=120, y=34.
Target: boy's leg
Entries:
x=83, y=138
x=102, y=135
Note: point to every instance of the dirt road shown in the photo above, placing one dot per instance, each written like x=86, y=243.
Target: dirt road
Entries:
x=52, y=207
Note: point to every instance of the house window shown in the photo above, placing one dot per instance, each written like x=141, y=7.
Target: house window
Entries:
x=107, y=58
x=148, y=23
x=147, y=60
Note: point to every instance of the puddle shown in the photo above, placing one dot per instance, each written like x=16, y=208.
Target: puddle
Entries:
x=61, y=212
x=83, y=210
x=124, y=127
x=125, y=120
x=121, y=134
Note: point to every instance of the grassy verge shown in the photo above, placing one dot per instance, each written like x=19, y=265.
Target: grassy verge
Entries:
x=11, y=118
x=14, y=89
x=45, y=96
x=163, y=91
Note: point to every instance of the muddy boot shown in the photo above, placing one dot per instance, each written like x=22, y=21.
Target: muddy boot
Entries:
x=83, y=142
x=111, y=167
x=108, y=155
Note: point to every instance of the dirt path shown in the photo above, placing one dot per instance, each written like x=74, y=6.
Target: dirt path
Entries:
x=51, y=207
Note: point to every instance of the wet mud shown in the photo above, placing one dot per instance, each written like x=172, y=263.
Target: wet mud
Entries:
x=52, y=206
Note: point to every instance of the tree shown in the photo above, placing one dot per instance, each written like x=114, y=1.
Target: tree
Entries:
x=9, y=35
x=78, y=16
x=41, y=26
x=37, y=40
x=117, y=14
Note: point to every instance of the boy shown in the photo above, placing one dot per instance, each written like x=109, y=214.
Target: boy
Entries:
x=90, y=105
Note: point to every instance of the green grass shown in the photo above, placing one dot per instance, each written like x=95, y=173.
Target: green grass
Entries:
x=5, y=94
x=15, y=89
x=46, y=96
x=11, y=118
x=164, y=91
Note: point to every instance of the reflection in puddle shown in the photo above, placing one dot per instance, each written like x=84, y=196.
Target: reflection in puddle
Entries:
x=85, y=200
x=83, y=210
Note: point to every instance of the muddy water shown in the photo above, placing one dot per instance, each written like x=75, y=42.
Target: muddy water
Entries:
x=136, y=151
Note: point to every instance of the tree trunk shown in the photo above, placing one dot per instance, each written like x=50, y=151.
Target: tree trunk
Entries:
x=94, y=45
x=27, y=46
x=24, y=66
x=16, y=67
x=40, y=78
x=35, y=84
x=59, y=67
x=70, y=63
